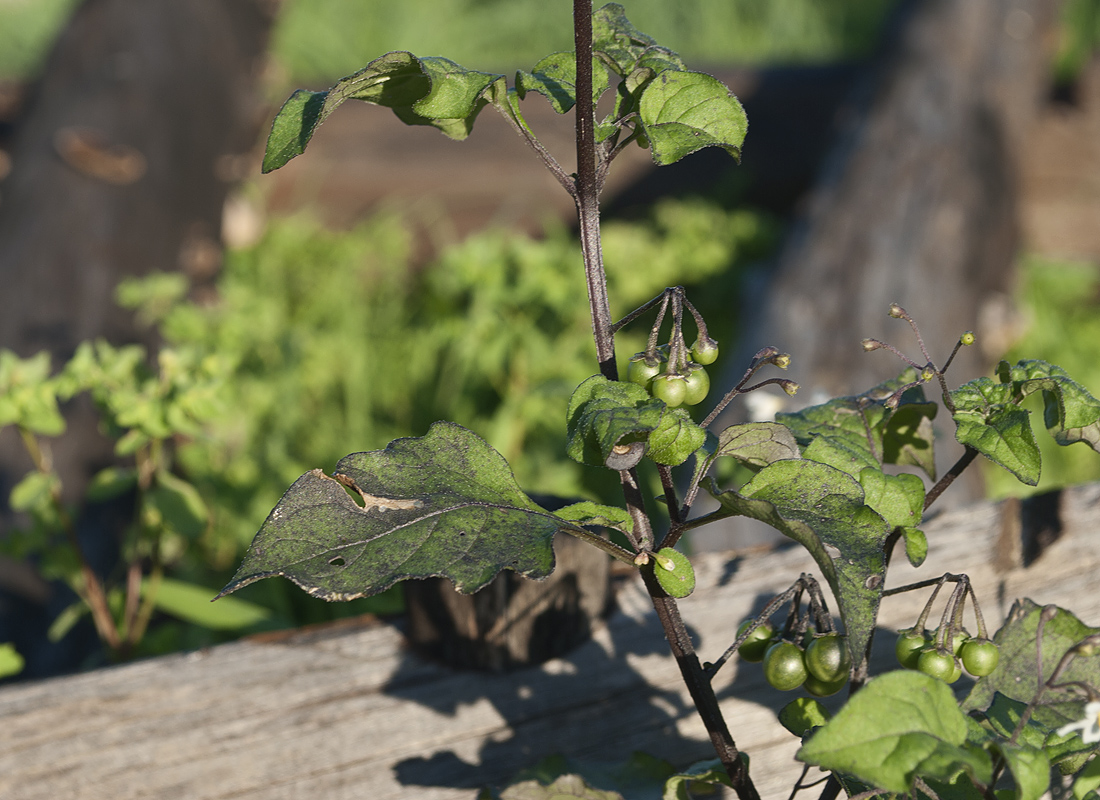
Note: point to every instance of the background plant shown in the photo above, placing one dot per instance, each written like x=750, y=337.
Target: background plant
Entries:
x=449, y=503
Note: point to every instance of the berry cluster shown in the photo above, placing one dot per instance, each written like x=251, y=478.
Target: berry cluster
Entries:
x=947, y=651
x=685, y=385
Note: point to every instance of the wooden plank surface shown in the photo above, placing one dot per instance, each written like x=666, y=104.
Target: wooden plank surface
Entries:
x=347, y=712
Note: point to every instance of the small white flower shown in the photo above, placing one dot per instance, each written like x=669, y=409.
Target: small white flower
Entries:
x=1089, y=726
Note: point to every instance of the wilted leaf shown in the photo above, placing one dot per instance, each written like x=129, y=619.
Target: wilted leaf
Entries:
x=1070, y=413
x=445, y=504
x=1015, y=676
x=900, y=726
x=428, y=91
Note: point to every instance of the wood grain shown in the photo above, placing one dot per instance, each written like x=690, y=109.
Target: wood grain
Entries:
x=348, y=712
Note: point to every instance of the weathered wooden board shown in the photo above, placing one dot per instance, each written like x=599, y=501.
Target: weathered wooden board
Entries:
x=349, y=713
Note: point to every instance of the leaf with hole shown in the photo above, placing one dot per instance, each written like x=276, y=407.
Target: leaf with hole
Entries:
x=445, y=504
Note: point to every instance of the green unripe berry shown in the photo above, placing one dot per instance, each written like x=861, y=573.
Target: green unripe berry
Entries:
x=757, y=643
x=642, y=370
x=967, y=339
x=697, y=385
x=670, y=389
x=908, y=647
x=704, y=351
x=784, y=668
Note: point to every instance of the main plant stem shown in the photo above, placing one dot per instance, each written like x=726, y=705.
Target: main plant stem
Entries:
x=588, y=214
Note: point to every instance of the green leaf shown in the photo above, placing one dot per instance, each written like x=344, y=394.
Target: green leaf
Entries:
x=617, y=41
x=1070, y=413
x=676, y=438
x=803, y=714
x=177, y=505
x=589, y=513
x=445, y=504
x=899, y=499
x=639, y=776
x=822, y=507
x=757, y=444
x=900, y=726
x=1030, y=769
x=567, y=787
x=1088, y=780
x=916, y=545
x=988, y=419
x=674, y=572
x=428, y=91
x=1015, y=676
x=191, y=603
x=11, y=663
x=711, y=772
x=555, y=78
x=111, y=482
x=609, y=422
x=682, y=112
x=34, y=493
x=860, y=431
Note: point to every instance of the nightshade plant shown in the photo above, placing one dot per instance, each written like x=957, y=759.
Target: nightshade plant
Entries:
x=447, y=504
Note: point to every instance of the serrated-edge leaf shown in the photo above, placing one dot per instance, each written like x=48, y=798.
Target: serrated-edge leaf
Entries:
x=442, y=505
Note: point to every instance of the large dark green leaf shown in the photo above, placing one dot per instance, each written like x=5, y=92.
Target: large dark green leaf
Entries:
x=852, y=433
x=1015, y=676
x=900, y=726
x=445, y=504
x=421, y=91
x=988, y=419
x=1070, y=413
x=822, y=507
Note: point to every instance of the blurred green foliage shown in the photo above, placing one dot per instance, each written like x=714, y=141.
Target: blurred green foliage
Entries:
x=1060, y=301
x=27, y=30
x=321, y=40
x=337, y=344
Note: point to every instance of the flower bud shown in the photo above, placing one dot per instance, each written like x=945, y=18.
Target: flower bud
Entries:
x=783, y=360
x=790, y=387
x=871, y=344
x=641, y=559
x=927, y=373
x=897, y=312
